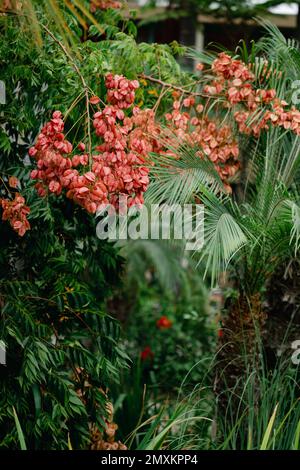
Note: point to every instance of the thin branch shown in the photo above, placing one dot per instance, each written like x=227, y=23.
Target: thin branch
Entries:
x=67, y=307
x=171, y=86
x=162, y=94
x=84, y=84
x=183, y=90
x=6, y=187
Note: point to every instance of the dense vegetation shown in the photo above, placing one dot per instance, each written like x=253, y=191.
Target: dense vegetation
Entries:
x=133, y=331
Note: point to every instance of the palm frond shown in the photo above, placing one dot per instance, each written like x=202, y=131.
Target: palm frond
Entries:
x=283, y=52
x=291, y=215
x=204, y=57
x=178, y=179
x=156, y=256
x=290, y=162
x=61, y=16
x=224, y=235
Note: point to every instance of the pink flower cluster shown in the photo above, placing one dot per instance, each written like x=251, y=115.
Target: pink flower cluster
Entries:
x=120, y=91
x=13, y=182
x=231, y=69
x=278, y=115
x=234, y=81
x=117, y=168
x=126, y=142
x=143, y=137
x=16, y=213
x=50, y=153
x=210, y=139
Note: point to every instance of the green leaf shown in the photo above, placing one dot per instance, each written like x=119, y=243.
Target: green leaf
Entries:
x=19, y=430
x=267, y=435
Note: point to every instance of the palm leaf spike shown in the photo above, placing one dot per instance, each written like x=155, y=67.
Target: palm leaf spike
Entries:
x=223, y=236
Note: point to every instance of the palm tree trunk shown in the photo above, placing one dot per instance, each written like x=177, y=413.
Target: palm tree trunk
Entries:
x=239, y=347
x=283, y=305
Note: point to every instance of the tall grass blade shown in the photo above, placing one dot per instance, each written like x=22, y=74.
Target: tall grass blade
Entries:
x=266, y=438
x=19, y=430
